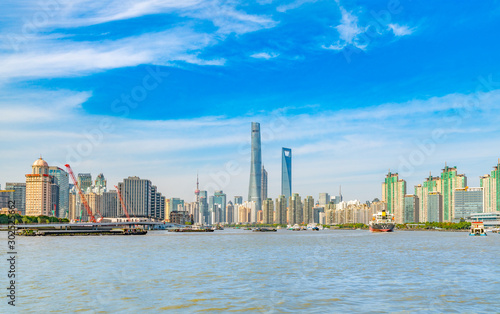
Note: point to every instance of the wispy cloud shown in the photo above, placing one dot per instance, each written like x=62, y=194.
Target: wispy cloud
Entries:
x=400, y=30
x=264, y=55
x=349, y=32
x=293, y=5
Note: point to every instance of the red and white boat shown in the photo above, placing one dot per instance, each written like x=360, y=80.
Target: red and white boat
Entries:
x=382, y=222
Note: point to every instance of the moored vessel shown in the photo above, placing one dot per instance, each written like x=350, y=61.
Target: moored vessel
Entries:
x=477, y=229
x=382, y=222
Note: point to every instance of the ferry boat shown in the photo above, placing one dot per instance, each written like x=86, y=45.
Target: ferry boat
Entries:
x=477, y=229
x=382, y=222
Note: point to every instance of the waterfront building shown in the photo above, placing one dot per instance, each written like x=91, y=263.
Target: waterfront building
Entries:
x=95, y=203
x=281, y=204
x=245, y=212
x=434, y=207
x=5, y=198
x=255, y=185
x=450, y=181
x=411, y=209
x=295, y=213
x=176, y=204
x=238, y=200
x=393, y=192
x=38, y=190
x=324, y=198
x=54, y=197
x=157, y=204
x=286, y=172
x=136, y=194
x=491, y=185
x=264, y=184
x=110, y=205
x=203, y=206
x=318, y=213
x=217, y=204
x=18, y=195
x=308, y=210
x=268, y=211
x=230, y=213
x=62, y=179
x=180, y=217
x=431, y=184
x=467, y=201
x=84, y=181
x=490, y=219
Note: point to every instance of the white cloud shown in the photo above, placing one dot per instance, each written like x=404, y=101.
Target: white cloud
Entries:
x=350, y=33
x=264, y=55
x=400, y=30
x=293, y=5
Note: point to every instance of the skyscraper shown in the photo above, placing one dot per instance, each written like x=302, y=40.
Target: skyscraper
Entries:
x=431, y=184
x=136, y=194
x=264, y=184
x=450, y=181
x=203, y=206
x=286, y=172
x=238, y=200
x=268, y=211
x=324, y=198
x=467, y=201
x=295, y=214
x=84, y=181
x=63, y=183
x=281, y=204
x=110, y=205
x=393, y=192
x=308, y=209
x=18, y=196
x=218, y=206
x=411, y=209
x=491, y=185
x=435, y=207
x=38, y=190
x=230, y=218
x=255, y=187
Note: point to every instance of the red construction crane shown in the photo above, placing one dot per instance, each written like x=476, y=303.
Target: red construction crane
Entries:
x=82, y=197
x=121, y=201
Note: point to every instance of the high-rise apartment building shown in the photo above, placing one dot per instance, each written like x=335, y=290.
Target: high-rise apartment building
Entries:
x=435, y=207
x=110, y=205
x=62, y=179
x=308, y=210
x=393, y=193
x=157, y=204
x=295, y=213
x=491, y=185
x=38, y=190
x=136, y=194
x=281, y=204
x=268, y=211
x=286, y=172
x=450, y=181
x=411, y=209
x=18, y=196
x=467, y=201
x=255, y=185
x=203, y=206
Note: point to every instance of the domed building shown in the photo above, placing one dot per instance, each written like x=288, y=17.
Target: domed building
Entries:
x=38, y=189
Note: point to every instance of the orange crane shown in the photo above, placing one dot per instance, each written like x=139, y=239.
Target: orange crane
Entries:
x=82, y=197
x=123, y=204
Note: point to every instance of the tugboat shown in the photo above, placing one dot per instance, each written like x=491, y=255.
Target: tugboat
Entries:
x=477, y=229
x=382, y=222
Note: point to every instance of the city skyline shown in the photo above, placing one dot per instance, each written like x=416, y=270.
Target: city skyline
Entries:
x=354, y=94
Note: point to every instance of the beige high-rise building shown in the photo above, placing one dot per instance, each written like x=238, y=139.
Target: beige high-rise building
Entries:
x=491, y=185
x=94, y=201
x=268, y=211
x=308, y=209
x=281, y=203
x=38, y=190
x=295, y=213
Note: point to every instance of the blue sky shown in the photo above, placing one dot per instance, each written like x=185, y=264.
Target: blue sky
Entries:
x=163, y=89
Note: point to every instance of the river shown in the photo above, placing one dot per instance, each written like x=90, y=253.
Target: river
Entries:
x=242, y=271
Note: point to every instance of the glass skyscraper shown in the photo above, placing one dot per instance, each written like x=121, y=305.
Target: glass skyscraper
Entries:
x=286, y=172
x=62, y=180
x=255, y=186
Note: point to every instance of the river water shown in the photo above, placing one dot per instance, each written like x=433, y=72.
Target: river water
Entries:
x=242, y=271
